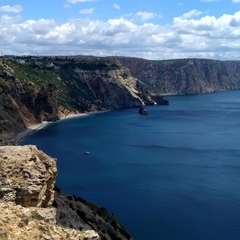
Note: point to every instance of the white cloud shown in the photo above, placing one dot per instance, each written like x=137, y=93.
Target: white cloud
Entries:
x=86, y=11
x=146, y=15
x=236, y=1
x=115, y=5
x=191, y=14
x=141, y=16
x=79, y=1
x=235, y=21
x=11, y=9
x=6, y=22
x=209, y=0
x=207, y=37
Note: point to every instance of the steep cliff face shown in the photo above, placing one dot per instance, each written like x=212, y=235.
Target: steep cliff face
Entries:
x=22, y=103
x=27, y=176
x=31, y=209
x=185, y=76
x=75, y=212
x=46, y=103
x=30, y=93
x=13, y=112
x=97, y=84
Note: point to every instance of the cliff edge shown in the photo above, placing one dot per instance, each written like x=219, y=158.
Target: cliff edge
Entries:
x=32, y=209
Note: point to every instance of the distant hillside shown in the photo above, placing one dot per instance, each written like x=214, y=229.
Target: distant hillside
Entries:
x=34, y=89
x=184, y=76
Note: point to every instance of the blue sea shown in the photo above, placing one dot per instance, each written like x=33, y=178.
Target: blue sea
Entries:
x=171, y=175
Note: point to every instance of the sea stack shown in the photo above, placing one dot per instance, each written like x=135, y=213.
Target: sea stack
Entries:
x=142, y=110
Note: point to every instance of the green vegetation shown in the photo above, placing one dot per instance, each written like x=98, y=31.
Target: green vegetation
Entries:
x=114, y=66
x=124, y=76
x=175, y=63
x=32, y=73
x=82, y=215
x=92, y=66
x=40, y=77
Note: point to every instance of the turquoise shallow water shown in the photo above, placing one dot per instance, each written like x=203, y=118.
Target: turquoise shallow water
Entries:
x=173, y=174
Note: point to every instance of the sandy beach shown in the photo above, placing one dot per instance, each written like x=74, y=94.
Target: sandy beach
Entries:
x=35, y=127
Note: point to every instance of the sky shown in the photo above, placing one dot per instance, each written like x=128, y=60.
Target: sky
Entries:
x=150, y=29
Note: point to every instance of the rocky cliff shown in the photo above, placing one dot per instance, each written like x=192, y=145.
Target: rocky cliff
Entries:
x=31, y=93
x=22, y=103
x=32, y=209
x=99, y=84
x=184, y=76
x=47, y=88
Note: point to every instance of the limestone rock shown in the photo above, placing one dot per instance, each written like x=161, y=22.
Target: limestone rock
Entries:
x=21, y=223
x=27, y=176
x=32, y=208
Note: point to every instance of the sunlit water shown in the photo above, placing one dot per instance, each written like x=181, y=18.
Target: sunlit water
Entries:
x=173, y=174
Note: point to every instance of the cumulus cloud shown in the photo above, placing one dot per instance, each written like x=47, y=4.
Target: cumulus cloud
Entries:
x=115, y=5
x=11, y=9
x=86, y=11
x=209, y=0
x=72, y=2
x=6, y=21
x=235, y=20
x=79, y=1
x=191, y=14
x=146, y=15
x=141, y=16
x=207, y=37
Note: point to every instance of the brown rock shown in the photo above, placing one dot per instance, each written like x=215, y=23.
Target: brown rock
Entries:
x=21, y=223
x=184, y=76
x=27, y=176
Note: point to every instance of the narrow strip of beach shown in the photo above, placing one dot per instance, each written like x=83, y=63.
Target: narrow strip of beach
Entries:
x=35, y=127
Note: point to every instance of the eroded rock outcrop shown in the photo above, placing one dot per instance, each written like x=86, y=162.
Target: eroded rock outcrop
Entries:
x=32, y=209
x=95, y=85
x=22, y=223
x=27, y=176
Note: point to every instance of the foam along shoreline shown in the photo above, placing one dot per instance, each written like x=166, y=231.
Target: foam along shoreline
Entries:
x=35, y=127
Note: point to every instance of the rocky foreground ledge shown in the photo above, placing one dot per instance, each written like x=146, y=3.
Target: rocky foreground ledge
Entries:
x=32, y=208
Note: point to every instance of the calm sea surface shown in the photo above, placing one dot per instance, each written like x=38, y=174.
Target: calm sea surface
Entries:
x=171, y=175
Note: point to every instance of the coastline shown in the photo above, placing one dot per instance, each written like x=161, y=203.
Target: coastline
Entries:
x=35, y=127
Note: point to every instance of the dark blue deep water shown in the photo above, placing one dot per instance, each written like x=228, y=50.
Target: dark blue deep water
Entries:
x=171, y=175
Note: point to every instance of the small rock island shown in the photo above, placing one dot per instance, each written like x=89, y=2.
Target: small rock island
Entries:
x=142, y=110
